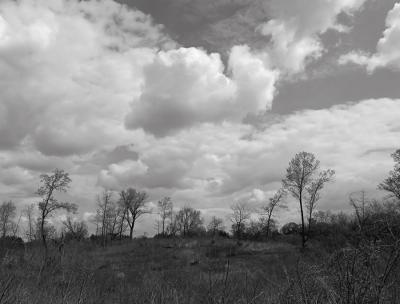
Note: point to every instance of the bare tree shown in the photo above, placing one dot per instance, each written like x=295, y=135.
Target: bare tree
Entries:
x=58, y=181
x=313, y=192
x=7, y=216
x=74, y=229
x=392, y=183
x=165, y=207
x=115, y=214
x=301, y=182
x=172, y=228
x=118, y=212
x=135, y=204
x=240, y=215
x=273, y=203
x=360, y=204
x=189, y=221
x=216, y=224
x=15, y=225
x=104, y=215
x=121, y=226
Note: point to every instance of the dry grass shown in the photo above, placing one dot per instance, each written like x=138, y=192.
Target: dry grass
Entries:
x=172, y=271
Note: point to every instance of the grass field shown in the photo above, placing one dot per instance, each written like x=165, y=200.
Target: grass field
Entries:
x=150, y=271
x=177, y=271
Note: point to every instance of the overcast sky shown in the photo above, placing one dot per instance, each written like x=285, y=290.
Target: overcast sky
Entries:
x=205, y=101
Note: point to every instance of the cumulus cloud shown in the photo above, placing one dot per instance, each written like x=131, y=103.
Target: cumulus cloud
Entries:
x=387, y=50
x=187, y=86
x=182, y=87
x=255, y=80
x=213, y=164
x=295, y=28
x=73, y=67
x=99, y=90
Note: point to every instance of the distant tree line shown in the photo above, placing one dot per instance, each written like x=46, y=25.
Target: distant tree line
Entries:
x=117, y=214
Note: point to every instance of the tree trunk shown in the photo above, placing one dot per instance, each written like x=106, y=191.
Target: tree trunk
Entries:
x=122, y=225
x=43, y=237
x=268, y=223
x=303, y=235
x=131, y=230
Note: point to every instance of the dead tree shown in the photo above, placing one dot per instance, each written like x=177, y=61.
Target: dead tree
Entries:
x=58, y=181
x=135, y=204
x=273, y=203
x=304, y=181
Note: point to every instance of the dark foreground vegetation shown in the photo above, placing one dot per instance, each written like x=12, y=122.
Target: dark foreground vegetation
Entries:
x=346, y=258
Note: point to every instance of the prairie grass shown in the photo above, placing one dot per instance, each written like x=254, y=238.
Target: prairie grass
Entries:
x=194, y=271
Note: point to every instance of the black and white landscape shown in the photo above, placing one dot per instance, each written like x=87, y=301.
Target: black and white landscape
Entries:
x=199, y=151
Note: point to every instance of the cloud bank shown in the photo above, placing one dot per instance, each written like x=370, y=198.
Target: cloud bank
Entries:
x=100, y=90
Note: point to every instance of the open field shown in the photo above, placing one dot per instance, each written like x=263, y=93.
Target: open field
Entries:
x=149, y=271
x=184, y=271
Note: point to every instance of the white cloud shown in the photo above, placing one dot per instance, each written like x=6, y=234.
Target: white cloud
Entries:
x=187, y=86
x=295, y=28
x=73, y=67
x=76, y=73
x=118, y=176
x=182, y=87
x=210, y=165
x=255, y=80
x=387, y=50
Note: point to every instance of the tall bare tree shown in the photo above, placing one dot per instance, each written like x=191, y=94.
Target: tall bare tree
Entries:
x=240, y=215
x=7, y=216
x=392, y=183
x=216, y=224
x=304, y=181
x=104, y=215
x=58, y=181
x=360, y=204
x=313, y=192
x=135, y=204
x=189, y=221
x=172, y=228
x=165, y=207
x=273, y=203
x=120, y=218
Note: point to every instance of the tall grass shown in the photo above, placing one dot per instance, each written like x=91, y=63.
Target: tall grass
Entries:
x=200, y=271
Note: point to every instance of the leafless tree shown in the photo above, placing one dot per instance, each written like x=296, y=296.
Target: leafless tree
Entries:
x=58, y=181
x=273, y=203
x=392, y=183
x=313, y=192
x=165, y=207
x=135, y=204
x=121, y=214
x=302, y=183
x=240, y=215
x=172, y=228
x=74, y=229
x=189, y=221
x=15, y=225
x=115, y=218
x=360, y=204
x=216, y=224
x=104, y=215
x=49, y=230
x=7, y=216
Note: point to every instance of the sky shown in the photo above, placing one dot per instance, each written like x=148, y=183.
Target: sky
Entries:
x=205, y=101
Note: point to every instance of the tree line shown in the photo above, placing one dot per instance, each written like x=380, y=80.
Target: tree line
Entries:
x=117, y=214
